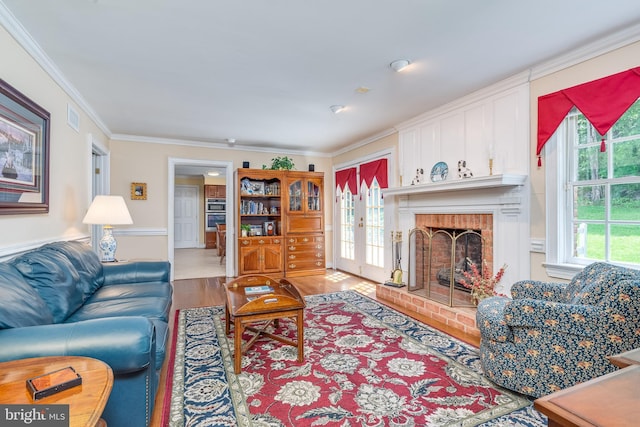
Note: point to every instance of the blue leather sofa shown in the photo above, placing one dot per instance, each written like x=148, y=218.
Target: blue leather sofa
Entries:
x=60, y=299
x=551, y=336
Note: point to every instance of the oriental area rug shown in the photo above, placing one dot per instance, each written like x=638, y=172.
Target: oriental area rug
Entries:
x=365, y=365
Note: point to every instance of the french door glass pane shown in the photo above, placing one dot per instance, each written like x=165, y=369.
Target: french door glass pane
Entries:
x=347, y=224
x=375, y=225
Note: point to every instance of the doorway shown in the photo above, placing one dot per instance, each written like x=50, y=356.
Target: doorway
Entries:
x=360, y=221
x=175, y=196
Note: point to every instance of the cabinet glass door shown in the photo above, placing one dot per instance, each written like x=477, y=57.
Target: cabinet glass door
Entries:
x=314, y=202
x=295, y=196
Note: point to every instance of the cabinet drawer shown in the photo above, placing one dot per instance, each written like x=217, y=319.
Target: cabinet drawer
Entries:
x=259, y=241
x=305, y=256
x=294, y=265
x=310, y=238
x=304, y=224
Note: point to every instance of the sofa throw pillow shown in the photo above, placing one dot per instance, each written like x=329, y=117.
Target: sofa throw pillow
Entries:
x=21, y=304
x=54, y=277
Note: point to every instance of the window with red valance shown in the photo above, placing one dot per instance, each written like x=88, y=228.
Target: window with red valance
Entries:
x=601, y=101
x=347, y=178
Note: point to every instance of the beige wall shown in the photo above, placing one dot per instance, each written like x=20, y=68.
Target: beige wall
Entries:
x=149, y=162
x=610, y=63
x=70, y=159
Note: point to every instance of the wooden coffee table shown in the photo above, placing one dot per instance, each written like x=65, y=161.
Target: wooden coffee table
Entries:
x=86, y=401
x=283, y=301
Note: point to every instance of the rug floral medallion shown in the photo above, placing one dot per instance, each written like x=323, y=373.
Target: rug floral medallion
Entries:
x=365, y=365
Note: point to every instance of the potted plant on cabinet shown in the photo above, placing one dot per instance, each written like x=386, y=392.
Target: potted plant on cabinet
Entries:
x=244, y=229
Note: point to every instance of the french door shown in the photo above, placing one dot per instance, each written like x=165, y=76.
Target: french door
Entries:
x=360, y=232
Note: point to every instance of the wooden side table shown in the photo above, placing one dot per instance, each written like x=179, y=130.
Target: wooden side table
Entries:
x=86, y=401
x=628, y=358
x=609, y=400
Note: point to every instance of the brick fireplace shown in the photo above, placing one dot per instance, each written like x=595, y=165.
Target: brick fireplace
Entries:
x=496, y=206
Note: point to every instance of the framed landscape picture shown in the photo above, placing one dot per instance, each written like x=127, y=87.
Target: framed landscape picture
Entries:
x=24, y=154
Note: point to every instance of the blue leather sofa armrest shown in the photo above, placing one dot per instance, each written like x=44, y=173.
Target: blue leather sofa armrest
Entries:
x=126, y=344
x=136, y=272
x=533, y=289
x=580, y=320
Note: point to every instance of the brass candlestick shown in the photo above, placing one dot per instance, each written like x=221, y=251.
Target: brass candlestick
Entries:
x=490, y=166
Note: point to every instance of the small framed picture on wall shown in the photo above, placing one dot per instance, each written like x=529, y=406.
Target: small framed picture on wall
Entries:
x=138, y=191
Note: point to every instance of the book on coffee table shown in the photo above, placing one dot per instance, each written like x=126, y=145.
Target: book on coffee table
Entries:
x=253, y=290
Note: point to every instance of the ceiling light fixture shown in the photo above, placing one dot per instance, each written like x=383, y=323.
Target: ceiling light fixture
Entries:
x=231, y=140
x=213, y=173
x=337, y=108
x=399, y=65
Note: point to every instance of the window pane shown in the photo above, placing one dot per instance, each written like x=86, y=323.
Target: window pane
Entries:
x=629, y=123
x=589, y=202
x=625, y=202
x=592, y=164
x=624, y=243
x=589, y=241
x=586, y=133
x=625, y=158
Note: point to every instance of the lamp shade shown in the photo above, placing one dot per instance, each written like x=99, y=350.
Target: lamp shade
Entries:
x=108, y=210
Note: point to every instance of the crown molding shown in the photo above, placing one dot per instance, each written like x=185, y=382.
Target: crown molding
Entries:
x=584, y=53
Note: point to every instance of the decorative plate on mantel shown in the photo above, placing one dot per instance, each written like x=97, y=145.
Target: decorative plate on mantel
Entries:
x=439, y=172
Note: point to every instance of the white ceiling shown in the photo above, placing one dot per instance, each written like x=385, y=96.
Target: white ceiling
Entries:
x=265, y=72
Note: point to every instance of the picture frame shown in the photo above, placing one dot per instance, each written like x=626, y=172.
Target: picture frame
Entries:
x=24, y=153
x=138, y=191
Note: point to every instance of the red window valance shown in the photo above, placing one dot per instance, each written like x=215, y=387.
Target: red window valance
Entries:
x=376, y=169
x=602, y=102
x=347, y=178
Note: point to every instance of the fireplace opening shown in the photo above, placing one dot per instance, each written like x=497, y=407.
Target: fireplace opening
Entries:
x=438, y=258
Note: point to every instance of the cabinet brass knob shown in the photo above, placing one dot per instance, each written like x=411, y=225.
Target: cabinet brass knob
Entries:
x=261, y=242
x=292, y=257
x=292, y=248
x=292, y=266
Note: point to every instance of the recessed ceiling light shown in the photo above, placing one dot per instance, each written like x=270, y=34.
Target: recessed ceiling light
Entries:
x=337, y=108
x=399, y=64
x=213, y=173
x=231, y=140
x=363, y=89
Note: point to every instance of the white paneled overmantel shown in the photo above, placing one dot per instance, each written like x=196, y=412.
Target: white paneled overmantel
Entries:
x=493, y=122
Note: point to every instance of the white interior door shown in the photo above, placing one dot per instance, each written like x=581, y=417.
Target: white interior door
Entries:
x=186, y=216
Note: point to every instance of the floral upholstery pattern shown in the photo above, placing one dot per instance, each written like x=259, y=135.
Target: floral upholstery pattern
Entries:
x=551, y=336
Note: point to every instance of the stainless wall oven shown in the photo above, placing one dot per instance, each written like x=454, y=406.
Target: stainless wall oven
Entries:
x=216, y=205
x=213, y=219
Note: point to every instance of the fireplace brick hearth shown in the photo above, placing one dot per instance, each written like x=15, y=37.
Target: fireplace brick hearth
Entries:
x=460, y=318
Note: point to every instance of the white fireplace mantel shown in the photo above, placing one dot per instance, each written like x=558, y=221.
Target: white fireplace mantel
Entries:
x=505, y=196
x=475, y=183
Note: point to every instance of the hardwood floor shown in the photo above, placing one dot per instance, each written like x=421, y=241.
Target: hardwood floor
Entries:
x=206, y=292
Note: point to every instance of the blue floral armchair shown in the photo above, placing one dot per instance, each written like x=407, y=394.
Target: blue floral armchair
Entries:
x=554, y=335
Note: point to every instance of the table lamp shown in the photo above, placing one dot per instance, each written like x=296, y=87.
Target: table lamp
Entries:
x=108, y=211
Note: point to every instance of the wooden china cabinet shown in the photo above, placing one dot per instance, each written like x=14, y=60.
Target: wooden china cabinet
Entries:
x=304, y=225
x=285, y=213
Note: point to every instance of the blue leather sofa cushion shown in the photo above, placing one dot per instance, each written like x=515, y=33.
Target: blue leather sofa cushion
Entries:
x=86, y=263
x=147, y=289
x=55, y=279
x=14, y=291
x=149, y=307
